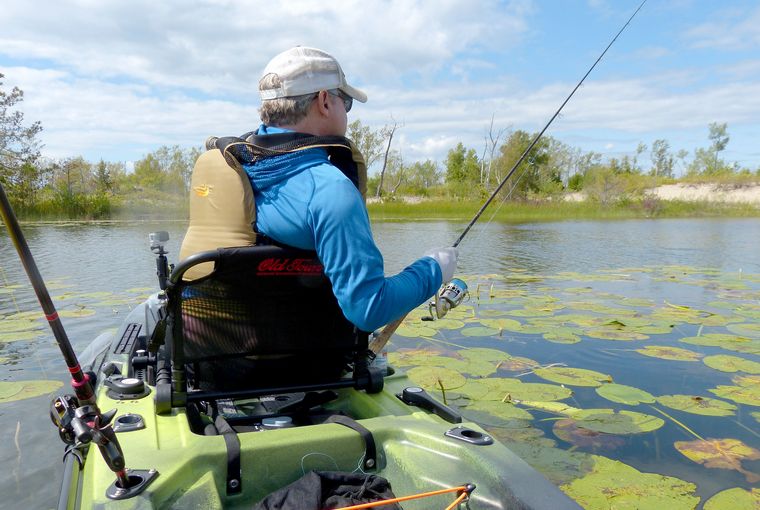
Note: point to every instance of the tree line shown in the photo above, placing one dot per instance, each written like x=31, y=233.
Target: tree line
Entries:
x=76, y=188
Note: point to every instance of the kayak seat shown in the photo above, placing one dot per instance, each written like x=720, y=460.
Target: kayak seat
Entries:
x=263, y=321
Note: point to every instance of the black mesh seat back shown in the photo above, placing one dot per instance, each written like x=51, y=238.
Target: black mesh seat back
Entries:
x=266, y=303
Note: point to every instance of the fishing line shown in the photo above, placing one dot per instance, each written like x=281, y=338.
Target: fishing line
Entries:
x=540, y=134
x=379, y=341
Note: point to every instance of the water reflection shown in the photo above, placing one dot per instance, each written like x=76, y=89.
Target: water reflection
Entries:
x=115, y=257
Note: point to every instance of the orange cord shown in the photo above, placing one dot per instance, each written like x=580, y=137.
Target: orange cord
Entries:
x=461, y=498
x=373, y=504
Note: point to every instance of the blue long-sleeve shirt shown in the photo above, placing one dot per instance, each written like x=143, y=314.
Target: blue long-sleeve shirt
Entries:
x=302, y=200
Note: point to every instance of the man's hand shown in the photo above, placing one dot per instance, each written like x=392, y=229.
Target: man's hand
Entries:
x=447, y=260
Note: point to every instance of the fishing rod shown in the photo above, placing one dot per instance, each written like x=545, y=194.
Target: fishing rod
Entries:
x=78, y=418
x=452, y=293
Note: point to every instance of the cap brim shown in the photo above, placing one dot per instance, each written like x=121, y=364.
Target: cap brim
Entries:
x=357, y=94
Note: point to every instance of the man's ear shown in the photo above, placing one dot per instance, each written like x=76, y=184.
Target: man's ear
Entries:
x=323, y=102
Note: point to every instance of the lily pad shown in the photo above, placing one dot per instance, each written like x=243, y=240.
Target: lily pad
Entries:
x=756, y=416
x=569, y=431
x=734, y=499
x=80, y=312
x=617, y=422
x=499, y=324
x=624, y=394
x=10, y=325
x=615, y=334
x=560, y=337
x=573, y=376
x=479, y=331
x=414, y=331
x=20, y=390
x=517, y=364
x=729, y=342
x=613, y=484
x=720, y=454
x=18, y=336
x=698, y=405
x=497, y=414
x=726, y=363
x=670, y=353
x=750, y=329
x=436, y=377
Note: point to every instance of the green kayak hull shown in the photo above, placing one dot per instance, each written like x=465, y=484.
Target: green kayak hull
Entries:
x=190, y=470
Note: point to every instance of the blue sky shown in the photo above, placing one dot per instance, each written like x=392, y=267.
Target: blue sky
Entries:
x=116, y=80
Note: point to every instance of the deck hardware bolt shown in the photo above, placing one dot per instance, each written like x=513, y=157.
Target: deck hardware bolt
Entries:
x=234, y=484
x=370, y=463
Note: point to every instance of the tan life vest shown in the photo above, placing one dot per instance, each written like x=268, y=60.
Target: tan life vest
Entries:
x=222, y=208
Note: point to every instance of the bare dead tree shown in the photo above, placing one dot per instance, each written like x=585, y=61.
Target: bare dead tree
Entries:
x=389, y=131
x=492, y=142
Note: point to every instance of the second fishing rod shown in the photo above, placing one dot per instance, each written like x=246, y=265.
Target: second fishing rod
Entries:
x=452, y=293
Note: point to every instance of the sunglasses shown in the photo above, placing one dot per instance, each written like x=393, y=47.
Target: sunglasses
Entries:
x=348, y=101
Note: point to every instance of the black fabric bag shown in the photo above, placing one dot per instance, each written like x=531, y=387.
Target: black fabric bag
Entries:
x=323, y=490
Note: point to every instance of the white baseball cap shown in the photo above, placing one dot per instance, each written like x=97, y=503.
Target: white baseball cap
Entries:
x=304, y=70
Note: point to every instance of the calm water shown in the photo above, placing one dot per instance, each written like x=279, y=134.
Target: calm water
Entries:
x=85, y=259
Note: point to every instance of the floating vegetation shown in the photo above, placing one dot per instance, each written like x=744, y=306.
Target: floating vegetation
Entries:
x=436, y=378
x=19, y=336
x=734, y=499
x=613, y=484
x=610, y=421
x=734, y=343
x=624, y=394
x=76, y=313
x=573, y=376
x=726, y=363
x=745, y=391
x=20, y=390
x=698, y=405
x=720, y=454
x=669, y=353
x=568, y=430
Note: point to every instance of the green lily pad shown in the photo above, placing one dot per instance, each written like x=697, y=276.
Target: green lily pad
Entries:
x=80, y=312
x=479, y=331
x=573, y=376
x=734, y=499
x=11, y=325
x=497, y=414
x=745, y=391
x=415, y=331
x=551, y=407
x=750, y=329
x=756, y=416
x=698, y=405
x=614, y=334
x=435, y=377
x=624, y=394
x=513, y=390
x=20, y=390
x=568, y=430
x=482, y=354
x=29, y=316
x=517, y=364
x=720, y=454
x=562, y=337
x=617, y=422
x=613, y=484
x=530, y=312
x=670, y=353
x=499, y=324
x=726, y=363
x=19, y=336
x=729, y=342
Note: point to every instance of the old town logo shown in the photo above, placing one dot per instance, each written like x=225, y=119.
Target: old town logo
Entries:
x=275, y=266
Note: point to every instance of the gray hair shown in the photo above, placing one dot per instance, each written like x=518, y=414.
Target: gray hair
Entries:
x=283, y=111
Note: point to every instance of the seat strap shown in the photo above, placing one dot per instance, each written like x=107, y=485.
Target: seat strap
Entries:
x=234, y=474
x=370, y=451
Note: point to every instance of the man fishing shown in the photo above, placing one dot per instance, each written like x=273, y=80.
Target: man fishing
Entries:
x=305, y=201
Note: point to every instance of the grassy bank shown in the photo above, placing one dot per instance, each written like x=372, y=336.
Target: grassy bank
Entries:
x=518, y=212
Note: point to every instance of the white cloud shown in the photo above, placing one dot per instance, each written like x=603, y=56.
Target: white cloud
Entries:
x=735, y=30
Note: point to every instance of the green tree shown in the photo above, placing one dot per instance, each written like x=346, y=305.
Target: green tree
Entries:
x=662, y=160
x=370, y=142
x=719, y=138
x=535, y=174
x=462, y=171
x=19, y=148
